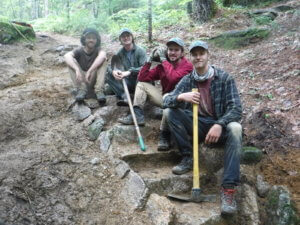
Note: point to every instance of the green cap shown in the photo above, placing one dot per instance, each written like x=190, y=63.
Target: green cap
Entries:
x=177, y=41
x=124, y=30
x=200, y=44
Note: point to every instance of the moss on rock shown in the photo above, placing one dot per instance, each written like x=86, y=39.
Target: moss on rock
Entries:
x=246, y=2
x=251, y=154
x=240, y=38
x=9, y=31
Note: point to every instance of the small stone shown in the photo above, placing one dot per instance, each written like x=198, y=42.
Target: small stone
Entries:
x=88, y=121
x=60, y=48
x=105, y=140
x=251, y=154
x=122, y=169
x=95, y=161
x=95, y=128
x=91, y=103
x=262, y=186
x=80, y=111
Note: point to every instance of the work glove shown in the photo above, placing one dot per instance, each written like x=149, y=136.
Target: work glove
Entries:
x=161, y=52
x=153, y=56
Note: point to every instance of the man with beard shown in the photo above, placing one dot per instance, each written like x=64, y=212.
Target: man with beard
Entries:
x=87, y=66
x=132, y=58
x=173, y=66
x=219, y=113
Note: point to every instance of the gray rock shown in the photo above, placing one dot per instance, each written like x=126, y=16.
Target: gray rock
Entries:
x=91, y=103
x=280, y=209
x=105, y=138
x=95, y=161
x=126, y=134
x=135, y=192
x=212, y=157
x=262, y=186
x=283, y=8
x=95, y=128
x=80, y=111
x=160, y=210
x=60, y=48
x=108, y=113
x=249, y=207
x=122, y=169
x=88, y=121
x=239, y=38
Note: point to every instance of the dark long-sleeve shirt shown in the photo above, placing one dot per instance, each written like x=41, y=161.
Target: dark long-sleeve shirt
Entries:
x=168, y=74
x=224, y=94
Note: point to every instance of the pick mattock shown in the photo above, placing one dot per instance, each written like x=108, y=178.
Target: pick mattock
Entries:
x=196, y=195
x=116, y=64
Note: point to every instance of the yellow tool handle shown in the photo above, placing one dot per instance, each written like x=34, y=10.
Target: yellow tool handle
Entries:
x=196, y=182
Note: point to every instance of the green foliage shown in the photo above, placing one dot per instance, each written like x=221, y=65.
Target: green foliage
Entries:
x=10, y=32
x=164, y=13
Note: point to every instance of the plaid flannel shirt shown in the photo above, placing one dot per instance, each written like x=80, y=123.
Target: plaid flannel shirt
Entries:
x=225, y=97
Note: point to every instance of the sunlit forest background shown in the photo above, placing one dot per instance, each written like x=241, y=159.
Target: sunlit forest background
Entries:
x=72, y=16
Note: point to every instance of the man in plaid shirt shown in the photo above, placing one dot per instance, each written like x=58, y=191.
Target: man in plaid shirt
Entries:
x=219, y=112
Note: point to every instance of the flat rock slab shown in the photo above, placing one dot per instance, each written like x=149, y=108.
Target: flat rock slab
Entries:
x=135, y=191
x=81, y=111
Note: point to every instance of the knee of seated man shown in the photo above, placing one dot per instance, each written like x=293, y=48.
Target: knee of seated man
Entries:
x=235, y=128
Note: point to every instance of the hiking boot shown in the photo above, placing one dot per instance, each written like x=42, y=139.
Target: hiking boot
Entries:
x=101, y=98
x=122, y=101
x=184, y=166
x=128, y=120
x=228, y=202
x=164, y=141
x=80, y=96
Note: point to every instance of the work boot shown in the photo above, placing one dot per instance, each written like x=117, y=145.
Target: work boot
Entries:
x=101, y=98
x=80, y=96
x=164, y=141
x=122, y=101
x=228, y=202
x=139, y=114
x=184, y=166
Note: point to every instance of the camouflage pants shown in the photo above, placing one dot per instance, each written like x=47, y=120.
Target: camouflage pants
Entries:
x=146, y=91
x=97, y=82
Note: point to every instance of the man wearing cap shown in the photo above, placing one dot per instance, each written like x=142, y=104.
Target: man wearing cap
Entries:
x=132, y=58
x=173, y=66
x=87, y=66
x=220, y=111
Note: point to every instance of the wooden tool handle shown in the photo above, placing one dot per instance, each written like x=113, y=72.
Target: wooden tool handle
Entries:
x=196, y=182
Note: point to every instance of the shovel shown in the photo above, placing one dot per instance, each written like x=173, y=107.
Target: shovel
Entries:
x=116, y=64
x=196, y=195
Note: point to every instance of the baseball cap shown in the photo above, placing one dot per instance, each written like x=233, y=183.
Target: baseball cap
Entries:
x=177, y=41
x=124, y=30
x=196, y=44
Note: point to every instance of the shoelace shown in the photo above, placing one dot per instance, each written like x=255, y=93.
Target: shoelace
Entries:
x=228, y=195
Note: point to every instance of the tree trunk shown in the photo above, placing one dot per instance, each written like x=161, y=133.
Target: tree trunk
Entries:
x=68, y=9
x=95, y=8
x=46, y=8
x=21, y=10
x=203, y=10
x=150, y=20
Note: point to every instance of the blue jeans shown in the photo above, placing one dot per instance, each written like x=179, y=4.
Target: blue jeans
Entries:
x=181, y=125
x=117, y=86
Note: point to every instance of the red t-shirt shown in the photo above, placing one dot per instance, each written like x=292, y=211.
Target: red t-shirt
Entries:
x=168, y=74
x=205, y=105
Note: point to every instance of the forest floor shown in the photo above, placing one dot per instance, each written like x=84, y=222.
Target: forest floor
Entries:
x=46, y=174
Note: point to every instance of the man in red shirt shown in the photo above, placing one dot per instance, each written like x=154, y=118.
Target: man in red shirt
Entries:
x=173, y=66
